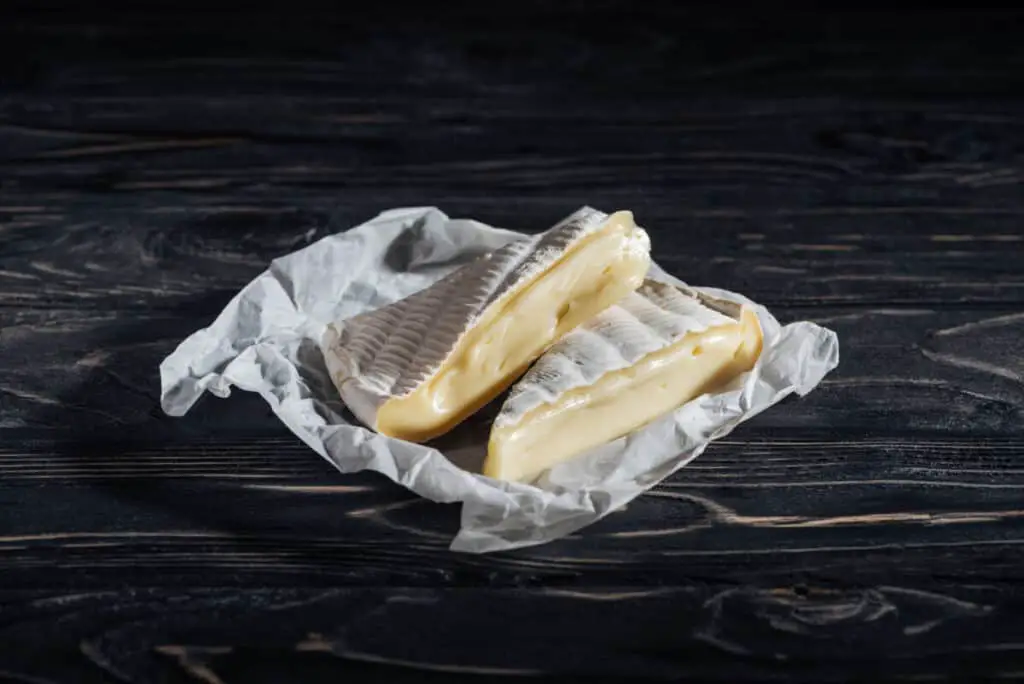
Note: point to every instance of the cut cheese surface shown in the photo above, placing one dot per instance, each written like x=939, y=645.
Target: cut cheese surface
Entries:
x=655, y=351
x=418, y=367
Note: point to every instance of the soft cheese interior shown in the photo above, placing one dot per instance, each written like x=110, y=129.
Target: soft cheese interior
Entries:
x=667, y=357
x=594, y=274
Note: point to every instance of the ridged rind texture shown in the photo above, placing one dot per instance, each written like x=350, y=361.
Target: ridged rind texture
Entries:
x=389, y=352
x=648, y=320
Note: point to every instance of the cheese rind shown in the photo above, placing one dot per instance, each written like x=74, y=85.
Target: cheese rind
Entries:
x=659, y=348
x=418, y=367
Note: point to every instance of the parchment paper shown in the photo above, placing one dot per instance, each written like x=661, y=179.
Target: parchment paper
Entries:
x=267, y=341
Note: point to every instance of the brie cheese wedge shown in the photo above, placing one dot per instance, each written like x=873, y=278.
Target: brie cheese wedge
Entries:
x=659, y=348
x=416, y=368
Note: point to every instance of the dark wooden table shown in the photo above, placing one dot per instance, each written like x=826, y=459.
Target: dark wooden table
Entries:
x=863, y=171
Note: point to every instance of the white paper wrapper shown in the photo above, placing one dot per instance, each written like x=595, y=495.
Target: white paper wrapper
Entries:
x=267, y=341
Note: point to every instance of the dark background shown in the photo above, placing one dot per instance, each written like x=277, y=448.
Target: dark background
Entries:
x=859, y=169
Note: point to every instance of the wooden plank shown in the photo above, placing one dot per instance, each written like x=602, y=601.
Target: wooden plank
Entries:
x=713, y=632
x=166, y=256
x=569, y=48
x=751, y=507
x=902, y=370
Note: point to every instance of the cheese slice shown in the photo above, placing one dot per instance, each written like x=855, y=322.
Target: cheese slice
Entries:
x=418, y=367
x=659, y=348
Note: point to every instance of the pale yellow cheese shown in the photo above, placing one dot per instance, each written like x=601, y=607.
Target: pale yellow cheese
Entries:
x=624, y=400
x=593, y=274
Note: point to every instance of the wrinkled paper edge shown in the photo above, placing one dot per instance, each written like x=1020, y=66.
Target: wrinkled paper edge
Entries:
x=292, y=314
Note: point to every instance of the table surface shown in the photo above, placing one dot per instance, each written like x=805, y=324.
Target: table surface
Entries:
x=862, y=171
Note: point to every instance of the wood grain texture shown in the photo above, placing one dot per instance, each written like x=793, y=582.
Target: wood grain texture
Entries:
x=860, y=170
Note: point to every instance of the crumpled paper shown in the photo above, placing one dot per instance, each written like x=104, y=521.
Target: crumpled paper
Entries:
x=267, y=341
